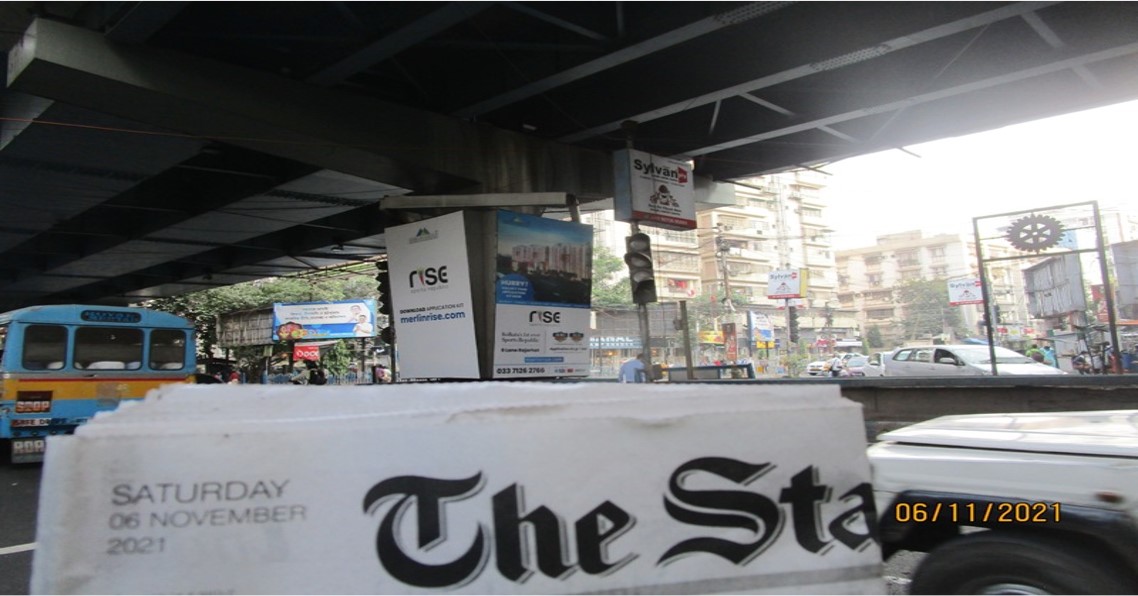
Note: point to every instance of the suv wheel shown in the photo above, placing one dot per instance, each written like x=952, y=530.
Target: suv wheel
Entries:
x=997, y=562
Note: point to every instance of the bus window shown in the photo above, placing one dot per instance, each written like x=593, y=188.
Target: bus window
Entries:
x=108, y=348
x=45, y=347
x=167, y=349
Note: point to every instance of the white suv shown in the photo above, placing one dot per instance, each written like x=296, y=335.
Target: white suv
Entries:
x=1041, y=503
x=960, y=360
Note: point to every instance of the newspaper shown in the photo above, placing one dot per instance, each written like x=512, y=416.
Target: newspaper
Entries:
x=463, y=488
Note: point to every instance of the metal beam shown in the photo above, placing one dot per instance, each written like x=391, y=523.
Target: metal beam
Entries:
x=624, y=55
x=390, y=45
x=1016, y=9
x=535, y=199
x=552, y=20
x=143, y=20
x=978, y=85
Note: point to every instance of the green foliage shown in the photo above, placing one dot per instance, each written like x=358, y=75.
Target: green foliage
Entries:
x=610, y=287
x=203, y=308
x=337, y=359
x=873, y=337
x=927, y=312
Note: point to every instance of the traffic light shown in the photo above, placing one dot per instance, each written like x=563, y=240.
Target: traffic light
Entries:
x=792, y=323
x=383, y=286
x=640, y=273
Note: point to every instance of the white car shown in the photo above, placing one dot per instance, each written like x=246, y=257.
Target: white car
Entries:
x=816, y=368
x=1037, y=503
x=874, y=365
x=960, y=360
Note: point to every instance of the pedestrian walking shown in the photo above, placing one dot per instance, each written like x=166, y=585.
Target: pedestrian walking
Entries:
x=632, y=371
x=1082, y=363
x=835, y=365
x=1049, y=357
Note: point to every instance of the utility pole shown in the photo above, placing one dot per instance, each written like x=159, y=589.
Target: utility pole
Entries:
x=629, y=128
x=721, y=250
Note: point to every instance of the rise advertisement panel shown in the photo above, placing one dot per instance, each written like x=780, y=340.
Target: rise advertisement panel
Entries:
x=542, y=293
x=430, y=287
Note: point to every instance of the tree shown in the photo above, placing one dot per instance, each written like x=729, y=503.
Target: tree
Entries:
x=927, y=312
x=873, y=337
x=202, y=309
x=610, y=288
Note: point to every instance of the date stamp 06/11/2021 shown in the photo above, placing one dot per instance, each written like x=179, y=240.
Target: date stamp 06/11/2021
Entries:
x=984, y=513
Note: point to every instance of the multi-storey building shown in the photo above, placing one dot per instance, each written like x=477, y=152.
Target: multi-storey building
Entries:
x=776, y=223
x=868, y=279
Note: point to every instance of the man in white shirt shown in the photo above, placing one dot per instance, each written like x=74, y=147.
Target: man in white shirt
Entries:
x=836, y=363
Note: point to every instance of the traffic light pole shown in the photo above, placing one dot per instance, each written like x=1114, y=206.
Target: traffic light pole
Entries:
x=645, y=330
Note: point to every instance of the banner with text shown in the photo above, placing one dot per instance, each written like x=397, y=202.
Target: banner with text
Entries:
x=653, y=190
x=323, y=320
x=430, y=286
x=964, y=291
x=787, y=283
x=542, y=296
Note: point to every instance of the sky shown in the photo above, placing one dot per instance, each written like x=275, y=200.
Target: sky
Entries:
x=1082, y=156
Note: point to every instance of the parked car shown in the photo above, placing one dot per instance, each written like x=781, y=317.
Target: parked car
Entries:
x=855, y=366
x=818, y=367
x=961, y=360
x=1038, y=503
x=874, y=365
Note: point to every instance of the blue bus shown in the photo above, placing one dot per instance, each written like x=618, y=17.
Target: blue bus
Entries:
x=61, y=364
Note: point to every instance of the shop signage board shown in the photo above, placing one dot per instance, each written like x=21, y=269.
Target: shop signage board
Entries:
x=542, y=297
x=463, y=488
x=964, y=291
x=653, y=190
x=430, y=287
x=305, y=352
x=787, y=283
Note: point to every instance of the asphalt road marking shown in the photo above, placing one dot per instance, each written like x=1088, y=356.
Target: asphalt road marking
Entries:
x=19, y=548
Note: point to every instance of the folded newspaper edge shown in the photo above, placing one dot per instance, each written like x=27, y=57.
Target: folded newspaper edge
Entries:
x=463, y=488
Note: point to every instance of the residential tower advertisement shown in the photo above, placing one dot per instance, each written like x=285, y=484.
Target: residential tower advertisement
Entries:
x=542, y=297
x=430, y=286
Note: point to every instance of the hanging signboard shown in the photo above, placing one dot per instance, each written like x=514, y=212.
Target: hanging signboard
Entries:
x=542, y=295
x=653, y=190
x=430, y=285
x=964, y=291
x=323, y=320
x=787, y=283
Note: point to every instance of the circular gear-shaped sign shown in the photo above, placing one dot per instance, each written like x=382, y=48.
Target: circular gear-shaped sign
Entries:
x=1035, y=233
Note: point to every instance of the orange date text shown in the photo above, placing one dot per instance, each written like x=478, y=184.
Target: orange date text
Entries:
x=978, y=513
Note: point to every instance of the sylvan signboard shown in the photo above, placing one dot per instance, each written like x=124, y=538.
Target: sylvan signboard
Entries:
x=653, y=190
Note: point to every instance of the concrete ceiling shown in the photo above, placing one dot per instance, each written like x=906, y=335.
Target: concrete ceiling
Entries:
x=156, y=148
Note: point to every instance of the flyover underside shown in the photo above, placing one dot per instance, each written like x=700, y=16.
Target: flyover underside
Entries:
x=197, y=174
